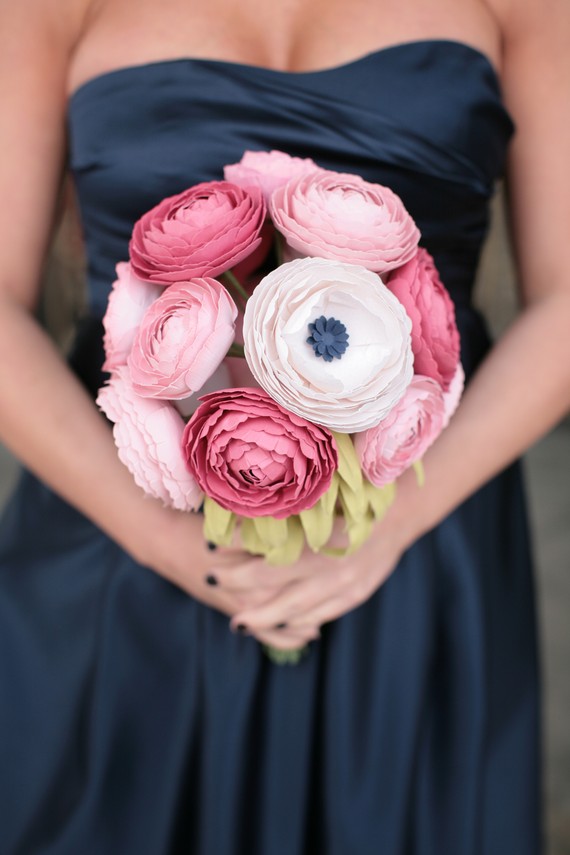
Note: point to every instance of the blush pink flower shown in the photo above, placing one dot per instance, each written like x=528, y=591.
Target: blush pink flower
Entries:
x=203, y=231
x=182, y=339
x=267, y=170
x=148, y=436
x=435, y=337
x=343, y=217
x=254, y=458
x=403, y=437
x=128, y=301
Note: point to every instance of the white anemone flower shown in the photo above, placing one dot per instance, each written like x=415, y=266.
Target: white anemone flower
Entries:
x=329, y=342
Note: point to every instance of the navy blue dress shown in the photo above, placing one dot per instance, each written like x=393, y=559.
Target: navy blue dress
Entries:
x=132, y=720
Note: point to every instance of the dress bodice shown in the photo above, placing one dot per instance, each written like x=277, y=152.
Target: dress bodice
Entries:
x=425, y=118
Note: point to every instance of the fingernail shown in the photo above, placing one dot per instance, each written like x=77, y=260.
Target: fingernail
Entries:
x=211, y=546
x=241, y=628
x=211, y=580
x=281, y=625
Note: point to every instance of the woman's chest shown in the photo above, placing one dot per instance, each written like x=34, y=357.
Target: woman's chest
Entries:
x=289, y=35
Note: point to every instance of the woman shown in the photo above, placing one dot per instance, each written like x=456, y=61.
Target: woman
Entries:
x=133, y=720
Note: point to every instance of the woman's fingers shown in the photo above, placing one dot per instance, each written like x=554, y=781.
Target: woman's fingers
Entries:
x=291, y=602
x=233, y=573
x=326, y=611
x=333, y=588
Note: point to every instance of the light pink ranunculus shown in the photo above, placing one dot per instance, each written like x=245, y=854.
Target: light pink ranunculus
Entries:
x=203, y=231
x=256, y=459
x=387, y=450
x=343, y=217
x=435, y=337
x=347, y=392
x=148, y=436
x=182, y=339
x=128, y=301
x=267, y=170
x=453, y=395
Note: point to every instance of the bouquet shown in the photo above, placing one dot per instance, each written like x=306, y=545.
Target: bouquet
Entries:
x=347, y=338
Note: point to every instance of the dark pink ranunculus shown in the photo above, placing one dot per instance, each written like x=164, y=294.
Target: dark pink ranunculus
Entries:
x=148, y=436
x=435, y=337
x=203, y=231
x=128, y=301
x=182, y=339
x=403, y=437
x=342, y=217
x=267, y=170
x=256, y=459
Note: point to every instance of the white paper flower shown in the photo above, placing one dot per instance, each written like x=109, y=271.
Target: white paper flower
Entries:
x=291, y=326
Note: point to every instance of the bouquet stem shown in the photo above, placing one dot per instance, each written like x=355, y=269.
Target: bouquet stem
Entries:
x=236, y=350
x=234, y=283
x=285, y=657
x=279, y=239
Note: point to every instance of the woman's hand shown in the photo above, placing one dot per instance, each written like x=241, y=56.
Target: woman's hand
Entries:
x=316, y=589
x=227, y=579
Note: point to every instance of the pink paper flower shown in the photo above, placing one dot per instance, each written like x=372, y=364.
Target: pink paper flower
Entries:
x=348, y=392
x=128, y=301
x=267, y=170
x=435, y=338
x=256, y=459
x=342, y=217
x=148, y=436
x=387, y=450
x=203, y=231
x=182, y=339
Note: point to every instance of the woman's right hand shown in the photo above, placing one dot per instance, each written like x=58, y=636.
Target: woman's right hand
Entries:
x=178, y=552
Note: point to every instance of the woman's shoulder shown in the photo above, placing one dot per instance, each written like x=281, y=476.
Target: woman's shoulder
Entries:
x=529, y=20
x=59, y=23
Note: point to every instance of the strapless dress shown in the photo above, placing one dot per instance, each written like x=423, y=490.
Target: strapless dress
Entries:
x=132, y=720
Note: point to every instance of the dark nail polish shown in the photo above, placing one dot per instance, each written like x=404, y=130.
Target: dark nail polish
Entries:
x=281, y=625
x=241, y=628
x=211, y=580
x=211, y=546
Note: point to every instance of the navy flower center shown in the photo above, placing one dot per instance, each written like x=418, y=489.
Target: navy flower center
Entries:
x=328, y=338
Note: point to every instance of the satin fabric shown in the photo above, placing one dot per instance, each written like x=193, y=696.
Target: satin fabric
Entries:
x=132, y=720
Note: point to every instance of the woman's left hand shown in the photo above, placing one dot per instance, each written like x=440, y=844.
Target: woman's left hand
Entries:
x=319, y=588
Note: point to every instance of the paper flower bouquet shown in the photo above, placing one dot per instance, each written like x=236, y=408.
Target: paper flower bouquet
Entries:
x=280, y=350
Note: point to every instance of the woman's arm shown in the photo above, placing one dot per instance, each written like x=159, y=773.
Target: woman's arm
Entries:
x=523, y=387
x=46, y=417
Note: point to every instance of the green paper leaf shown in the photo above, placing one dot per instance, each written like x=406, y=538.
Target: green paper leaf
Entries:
x=250, y=539
x=279, y=541
x=348, y=464
x=271, y=531
x=285, y=657
x=380, y=498
x=318, y=521
x=359, y=526
x=358, y=531
x=354, y=502
x=291, y=548
x=420, y=472
x=219, y=523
